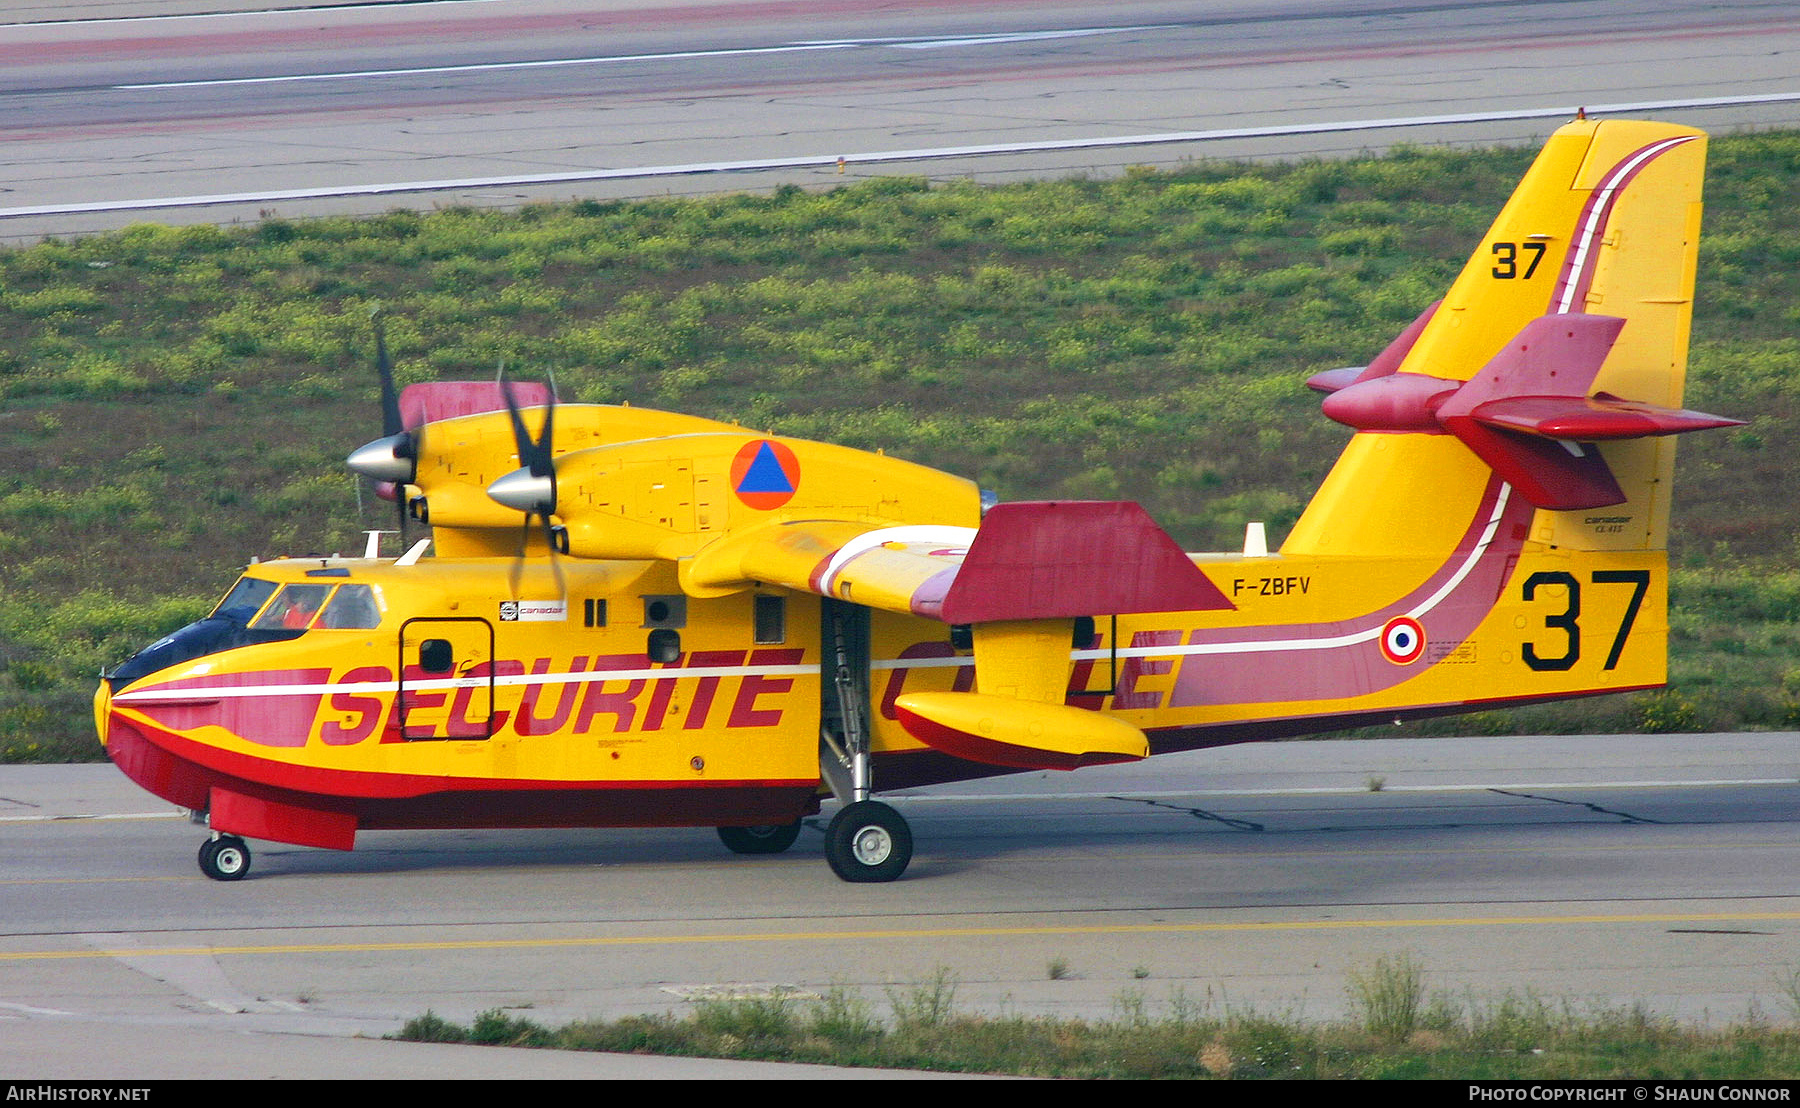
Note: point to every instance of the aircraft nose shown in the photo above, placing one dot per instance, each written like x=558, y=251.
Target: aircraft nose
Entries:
x=102, y=707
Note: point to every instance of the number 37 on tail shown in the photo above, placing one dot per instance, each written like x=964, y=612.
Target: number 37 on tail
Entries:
x=635, y=618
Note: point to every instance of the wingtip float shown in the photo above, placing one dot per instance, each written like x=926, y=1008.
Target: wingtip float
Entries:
x=714, y=627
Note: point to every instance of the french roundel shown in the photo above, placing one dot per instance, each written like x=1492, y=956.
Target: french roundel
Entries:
x=1402, y=640
x=765, y=474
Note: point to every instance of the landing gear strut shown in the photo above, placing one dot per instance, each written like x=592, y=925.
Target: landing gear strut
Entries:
x=225, y=858
x=867, y=840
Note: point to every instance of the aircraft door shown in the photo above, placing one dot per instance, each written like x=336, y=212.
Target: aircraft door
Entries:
x=446, y=679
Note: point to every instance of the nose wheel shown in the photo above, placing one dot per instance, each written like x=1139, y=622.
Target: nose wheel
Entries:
x=225, y=858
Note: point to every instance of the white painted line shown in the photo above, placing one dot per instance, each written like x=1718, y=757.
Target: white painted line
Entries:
x=678, y=55
x=1347, y=790
x=175, y=814
x=909, y=797
x=485, y=67
x=926, y=154
x=154, y=694
x=304, y=9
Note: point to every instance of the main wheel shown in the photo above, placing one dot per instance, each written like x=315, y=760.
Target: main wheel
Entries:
x=769, y=838
x=226, y=858
x=868, y=842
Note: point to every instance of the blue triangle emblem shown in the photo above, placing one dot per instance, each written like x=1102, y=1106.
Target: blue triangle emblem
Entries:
x=765, y=473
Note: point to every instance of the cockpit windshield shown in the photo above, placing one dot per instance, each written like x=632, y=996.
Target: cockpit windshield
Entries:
x=352, y=606
x=245, y=599
x=299, y=607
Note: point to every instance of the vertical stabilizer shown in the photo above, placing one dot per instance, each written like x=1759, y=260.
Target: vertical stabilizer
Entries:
x=1604, y=224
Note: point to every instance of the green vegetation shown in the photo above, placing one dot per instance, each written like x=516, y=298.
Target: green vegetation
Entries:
x=1395, y=1031
x=177, y=401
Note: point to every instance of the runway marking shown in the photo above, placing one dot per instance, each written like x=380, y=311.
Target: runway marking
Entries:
x=489, y=67
x=1233, y=855
x=674, y=55
x=907, y=934
x=1164, y=794
x=1333, y=790
x=826, y=161
x=1104, y=794
x=302, y=10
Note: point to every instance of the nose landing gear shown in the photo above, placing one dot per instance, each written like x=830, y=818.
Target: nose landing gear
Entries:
x=225, y=858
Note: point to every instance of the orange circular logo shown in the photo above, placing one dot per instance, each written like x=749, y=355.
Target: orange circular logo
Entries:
x=765, y=474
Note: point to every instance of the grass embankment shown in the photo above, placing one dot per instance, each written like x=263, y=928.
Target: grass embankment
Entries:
x=179, y=400
x=1396, y=1032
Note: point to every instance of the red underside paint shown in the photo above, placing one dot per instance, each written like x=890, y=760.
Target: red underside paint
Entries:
x=246, y=801
x=262, y=817
x=1593, y=418
x=974, y=748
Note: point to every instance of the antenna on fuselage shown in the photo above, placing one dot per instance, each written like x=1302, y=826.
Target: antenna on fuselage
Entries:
x=411, y=557
x=372, y=547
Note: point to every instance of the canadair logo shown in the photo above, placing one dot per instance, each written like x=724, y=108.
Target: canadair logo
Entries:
x=765, y=474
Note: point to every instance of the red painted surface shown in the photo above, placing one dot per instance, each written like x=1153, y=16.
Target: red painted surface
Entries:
x=1385, y=363
x=281, y=721
x=1061, y=559
x=1395, y=404
x=430, y=401
x=318, y=807
x=1552, y=356
x=324, y=823
x=976, y=748
x=1593, y=418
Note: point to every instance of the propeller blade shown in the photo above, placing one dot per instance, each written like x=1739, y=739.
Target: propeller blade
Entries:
x=532, y=487
x=536, y=456
x=391, y=423
x=399, y=450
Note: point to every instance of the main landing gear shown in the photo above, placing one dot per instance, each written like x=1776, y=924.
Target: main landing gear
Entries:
x=868, y=842
x=772, y=838
x=225, y=858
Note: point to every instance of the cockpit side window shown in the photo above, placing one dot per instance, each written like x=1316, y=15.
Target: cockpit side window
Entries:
x=245, y=599
x=294, y=607
x=352, y=606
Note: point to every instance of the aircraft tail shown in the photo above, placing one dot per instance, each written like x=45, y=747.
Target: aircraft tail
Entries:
x=1555, y=363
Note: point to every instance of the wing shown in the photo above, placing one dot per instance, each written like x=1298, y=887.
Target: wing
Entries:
x=1049, y=560
x=1021, y=579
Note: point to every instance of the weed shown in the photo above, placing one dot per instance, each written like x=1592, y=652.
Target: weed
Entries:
x=432, y=1028
x=1389, y=996
x=928, y=1004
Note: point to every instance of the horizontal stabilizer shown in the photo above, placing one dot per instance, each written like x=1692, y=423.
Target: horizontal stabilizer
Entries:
x=1331, y=380
x=1526, y=413
x=1385, y=363
x=1592, y=418
x=1560, y=475
x=1002, y=731
x=1061, y=559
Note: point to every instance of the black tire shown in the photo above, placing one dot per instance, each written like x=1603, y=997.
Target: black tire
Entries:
x=868, y=842
x=226, y=858
x=768, y=838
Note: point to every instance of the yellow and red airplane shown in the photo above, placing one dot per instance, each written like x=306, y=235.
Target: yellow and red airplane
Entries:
x=713, y=627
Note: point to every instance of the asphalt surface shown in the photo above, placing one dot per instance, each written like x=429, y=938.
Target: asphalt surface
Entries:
x=1604, y=870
